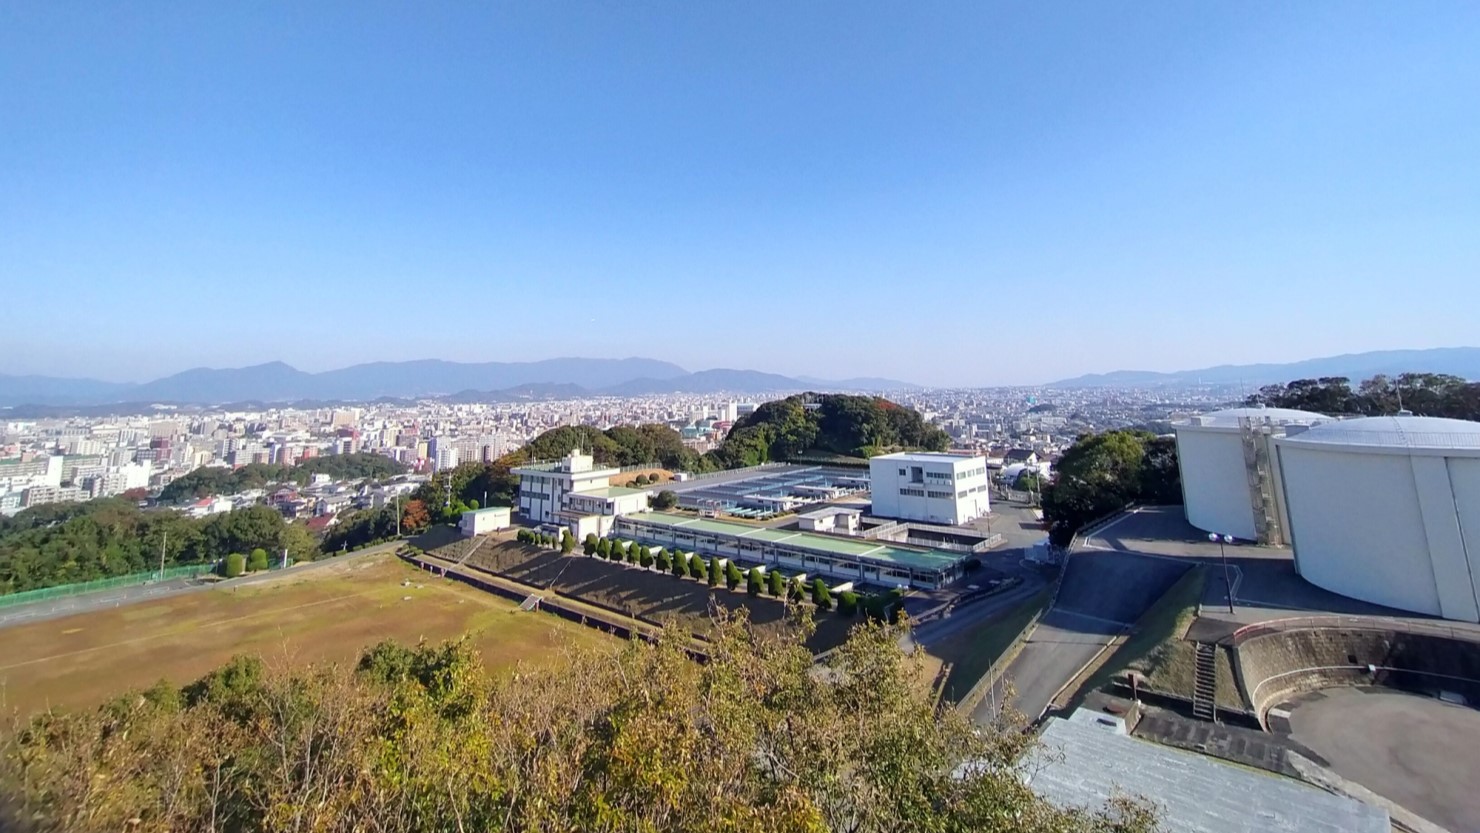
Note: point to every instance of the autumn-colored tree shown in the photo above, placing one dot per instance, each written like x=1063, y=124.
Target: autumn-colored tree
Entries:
x=414, y=516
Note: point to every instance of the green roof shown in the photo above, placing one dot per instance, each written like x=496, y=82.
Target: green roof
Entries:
x=857, y=547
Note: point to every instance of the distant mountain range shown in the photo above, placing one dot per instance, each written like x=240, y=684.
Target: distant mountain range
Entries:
x=1456, y=361
x=276, y=382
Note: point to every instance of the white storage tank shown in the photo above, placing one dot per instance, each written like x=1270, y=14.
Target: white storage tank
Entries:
x=1217, y=492
x=1387, y=510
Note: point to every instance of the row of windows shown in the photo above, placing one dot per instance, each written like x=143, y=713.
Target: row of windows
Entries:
x=973, y=490
x=946, y=495
x=938, y=475
x=912, y=492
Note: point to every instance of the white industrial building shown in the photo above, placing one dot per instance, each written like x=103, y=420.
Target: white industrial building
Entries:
x=1228, y=485
x=574, y=493
x=928, y=486
x=1387, y=510
x=484, y=521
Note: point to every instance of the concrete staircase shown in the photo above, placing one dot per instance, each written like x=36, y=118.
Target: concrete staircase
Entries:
x=1205, y=682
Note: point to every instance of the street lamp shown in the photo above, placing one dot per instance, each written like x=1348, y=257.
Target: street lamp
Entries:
x=1221, y=541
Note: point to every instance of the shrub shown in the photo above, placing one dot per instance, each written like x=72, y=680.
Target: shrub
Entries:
x=665, y=499
x=794, y=589
x=753, y=581
x=589, y=545
x=733, y=575
x=567, y=542
x=711, y=573
x=775, y=583
x=821, y=596
x=258, y=561
x=848, y=603
x=662, y=561
x=236, y=564
x=633, y=552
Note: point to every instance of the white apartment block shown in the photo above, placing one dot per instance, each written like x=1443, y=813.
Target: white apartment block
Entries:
x=929, y=487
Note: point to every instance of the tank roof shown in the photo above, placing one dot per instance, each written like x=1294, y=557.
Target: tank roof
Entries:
x=1229, y=417
x=1436, y=433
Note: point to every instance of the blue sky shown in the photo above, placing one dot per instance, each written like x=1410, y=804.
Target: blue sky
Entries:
x=965, y=193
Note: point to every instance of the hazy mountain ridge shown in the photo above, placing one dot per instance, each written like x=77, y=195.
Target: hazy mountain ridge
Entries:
x=1457, y=361
x=431, y=378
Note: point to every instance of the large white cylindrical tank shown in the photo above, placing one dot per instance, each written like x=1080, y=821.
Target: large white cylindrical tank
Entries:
x=1216, y=491
x=1387, y=510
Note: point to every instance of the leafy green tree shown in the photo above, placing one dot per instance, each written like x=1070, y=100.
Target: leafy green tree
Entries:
x=699, y=569
x=712, y=572
x=258, y=560
x=588, y=545
x=662, y=560
x=733, y=577
x=821, y=596
x=236, y=564
x=567, y=542
x=634, y=553
x=848, y=603
x=665, y=499
x=794, y=590
x=753, y=582
x=775, y=583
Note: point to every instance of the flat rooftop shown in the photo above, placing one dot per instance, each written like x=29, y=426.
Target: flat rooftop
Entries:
x=927, y=457
x=1083, y=764
x=611, y=491
x=857, y=547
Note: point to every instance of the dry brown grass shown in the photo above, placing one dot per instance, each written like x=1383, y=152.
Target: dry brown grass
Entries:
x=324, y=615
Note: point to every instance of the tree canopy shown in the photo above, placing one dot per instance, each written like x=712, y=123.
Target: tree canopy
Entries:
x=1105, y=472
x=852, y=426
x=66, y=543
x=424, y=740
x=1425, y=394
x=219, y=480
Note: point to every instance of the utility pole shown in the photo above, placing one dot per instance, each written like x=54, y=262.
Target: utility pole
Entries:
x=398, y=514
x=162, y=545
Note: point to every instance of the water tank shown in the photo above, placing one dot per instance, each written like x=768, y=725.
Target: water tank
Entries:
x=1387, y=510
x=1216, y=488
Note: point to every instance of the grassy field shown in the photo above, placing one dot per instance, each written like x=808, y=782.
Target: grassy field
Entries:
x=324, y=615
x=1157, y=649
x=641, y=593
x=972, y=652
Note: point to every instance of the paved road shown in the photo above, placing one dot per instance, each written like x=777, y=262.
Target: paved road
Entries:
x=1056, y=651
x=1102, y=594
x=102, y=599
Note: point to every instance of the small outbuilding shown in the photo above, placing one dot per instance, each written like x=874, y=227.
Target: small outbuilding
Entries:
x=484, y=521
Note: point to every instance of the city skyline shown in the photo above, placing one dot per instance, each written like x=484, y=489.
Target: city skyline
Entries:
x=958, y=194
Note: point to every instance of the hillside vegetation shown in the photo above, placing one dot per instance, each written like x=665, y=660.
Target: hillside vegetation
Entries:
x=1425, y=394
x=62, y=543
x=421, y=740
x=851, y=426
x=220, y=480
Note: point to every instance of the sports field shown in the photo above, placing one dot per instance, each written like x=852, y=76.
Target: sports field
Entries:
x=324, y=615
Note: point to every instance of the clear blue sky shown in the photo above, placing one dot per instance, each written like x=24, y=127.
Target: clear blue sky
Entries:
x=971, y=193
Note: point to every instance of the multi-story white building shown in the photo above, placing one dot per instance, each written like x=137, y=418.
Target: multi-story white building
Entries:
x=543, y=486
x=929, y=487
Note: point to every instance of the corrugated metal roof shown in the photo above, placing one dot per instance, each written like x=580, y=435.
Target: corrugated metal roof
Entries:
x=1081, y=764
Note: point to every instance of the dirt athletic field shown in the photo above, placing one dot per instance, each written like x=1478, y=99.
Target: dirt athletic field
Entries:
x=327, y=615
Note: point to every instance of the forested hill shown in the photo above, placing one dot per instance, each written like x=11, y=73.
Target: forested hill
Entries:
x=1425, y=394
x=61, y=543
x=217, y=480
x=852, y=426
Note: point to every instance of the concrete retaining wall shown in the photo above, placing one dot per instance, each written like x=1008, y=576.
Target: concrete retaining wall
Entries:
x=1273, y=667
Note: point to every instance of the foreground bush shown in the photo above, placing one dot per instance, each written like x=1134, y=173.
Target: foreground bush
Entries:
x=422, y=740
